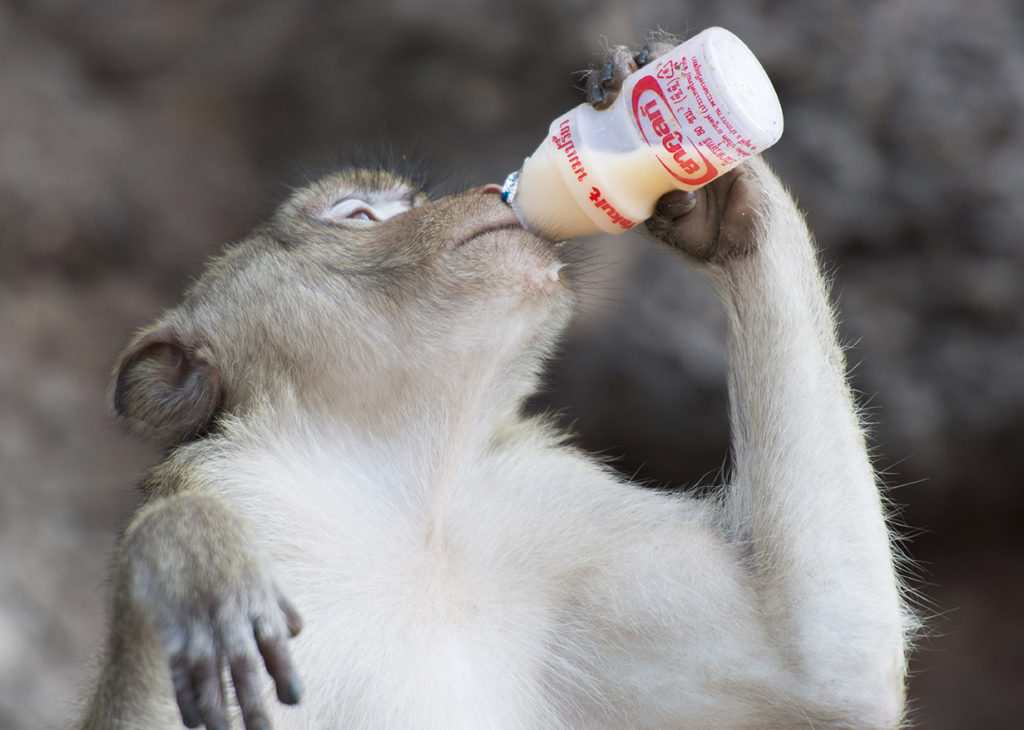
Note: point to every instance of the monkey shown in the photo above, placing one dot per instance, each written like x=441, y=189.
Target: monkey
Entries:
x=356, y=524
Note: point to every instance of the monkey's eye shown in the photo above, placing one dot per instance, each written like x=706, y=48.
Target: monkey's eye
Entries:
x=358, y=209
x=352, y=209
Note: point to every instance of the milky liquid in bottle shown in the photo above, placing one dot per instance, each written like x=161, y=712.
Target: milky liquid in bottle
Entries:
x=677, y=124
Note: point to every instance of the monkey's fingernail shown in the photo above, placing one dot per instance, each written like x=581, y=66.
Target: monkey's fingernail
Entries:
x=643, y=57
x=191, y=718
x=289, y=692
x=595, y=94
x=607, y=71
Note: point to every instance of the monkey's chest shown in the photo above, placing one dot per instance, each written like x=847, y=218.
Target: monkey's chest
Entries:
x=446, y=611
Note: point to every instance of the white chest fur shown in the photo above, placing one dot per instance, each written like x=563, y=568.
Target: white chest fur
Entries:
x=500, y=598
x=435, y=601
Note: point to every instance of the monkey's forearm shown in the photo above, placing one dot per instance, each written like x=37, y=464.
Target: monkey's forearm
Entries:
x=804, y=496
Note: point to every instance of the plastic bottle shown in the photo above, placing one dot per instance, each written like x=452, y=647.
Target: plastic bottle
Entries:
x=677, y=123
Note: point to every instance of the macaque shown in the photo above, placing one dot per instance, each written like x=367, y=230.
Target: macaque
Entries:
x=356, y=526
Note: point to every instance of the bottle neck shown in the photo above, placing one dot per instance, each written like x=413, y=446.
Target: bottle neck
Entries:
x=542, y=200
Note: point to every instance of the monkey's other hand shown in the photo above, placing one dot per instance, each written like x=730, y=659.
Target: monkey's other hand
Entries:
x=188, y=568
x=714, y=224
x=602, y=83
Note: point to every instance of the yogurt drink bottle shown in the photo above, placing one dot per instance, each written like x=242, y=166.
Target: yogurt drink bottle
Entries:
x=677, y=123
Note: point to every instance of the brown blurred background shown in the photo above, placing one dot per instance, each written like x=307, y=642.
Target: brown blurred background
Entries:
x=137, y=136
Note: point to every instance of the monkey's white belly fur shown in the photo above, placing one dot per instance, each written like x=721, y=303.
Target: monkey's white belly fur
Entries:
x=529, y=589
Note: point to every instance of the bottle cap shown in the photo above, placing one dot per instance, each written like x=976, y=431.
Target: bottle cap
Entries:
x=742, y=89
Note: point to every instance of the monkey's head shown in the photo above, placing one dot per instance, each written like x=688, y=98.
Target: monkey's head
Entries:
x=359, y=295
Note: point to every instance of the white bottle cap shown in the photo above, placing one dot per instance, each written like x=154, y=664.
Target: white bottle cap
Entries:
x=742, y=88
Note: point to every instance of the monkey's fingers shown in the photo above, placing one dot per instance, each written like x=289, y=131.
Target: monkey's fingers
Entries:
x=603, y=83
x=675, y=204
x=273, y=645
x=291, y=615
x=185, y=693
x=245, y=677
x=199, y=693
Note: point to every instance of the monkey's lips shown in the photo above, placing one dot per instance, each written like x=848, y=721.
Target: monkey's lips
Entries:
x=512, y=228
x=505, y=217
x=497, y=217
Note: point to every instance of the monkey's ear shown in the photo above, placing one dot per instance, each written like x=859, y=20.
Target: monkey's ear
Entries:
x=166, y=388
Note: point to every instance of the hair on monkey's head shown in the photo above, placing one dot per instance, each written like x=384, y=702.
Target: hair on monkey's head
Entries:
x=382, y=157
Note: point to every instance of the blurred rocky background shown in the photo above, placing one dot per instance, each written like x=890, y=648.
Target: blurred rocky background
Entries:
x=137, y=136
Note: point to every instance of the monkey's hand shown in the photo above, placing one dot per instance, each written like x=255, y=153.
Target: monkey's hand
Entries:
x=187, y=568
x=715, y=224
x=711, y=225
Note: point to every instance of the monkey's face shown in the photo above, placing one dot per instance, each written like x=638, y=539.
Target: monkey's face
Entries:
x=461, y=258
x=445, y=283
x=358, y=291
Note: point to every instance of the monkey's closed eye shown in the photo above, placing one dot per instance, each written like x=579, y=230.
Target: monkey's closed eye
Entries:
x=358, y=209
x=352, y=209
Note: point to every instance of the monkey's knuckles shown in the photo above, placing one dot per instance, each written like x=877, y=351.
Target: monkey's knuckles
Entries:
x=604, y=82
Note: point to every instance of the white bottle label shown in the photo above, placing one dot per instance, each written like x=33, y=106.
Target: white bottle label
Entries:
x=687, y=125
x=673, y=144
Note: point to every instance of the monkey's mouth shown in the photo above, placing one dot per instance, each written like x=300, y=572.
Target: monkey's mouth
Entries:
x=502, y=219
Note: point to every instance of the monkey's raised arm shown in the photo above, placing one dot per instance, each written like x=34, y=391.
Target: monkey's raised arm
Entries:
x=803, y=496
x=803, y=500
